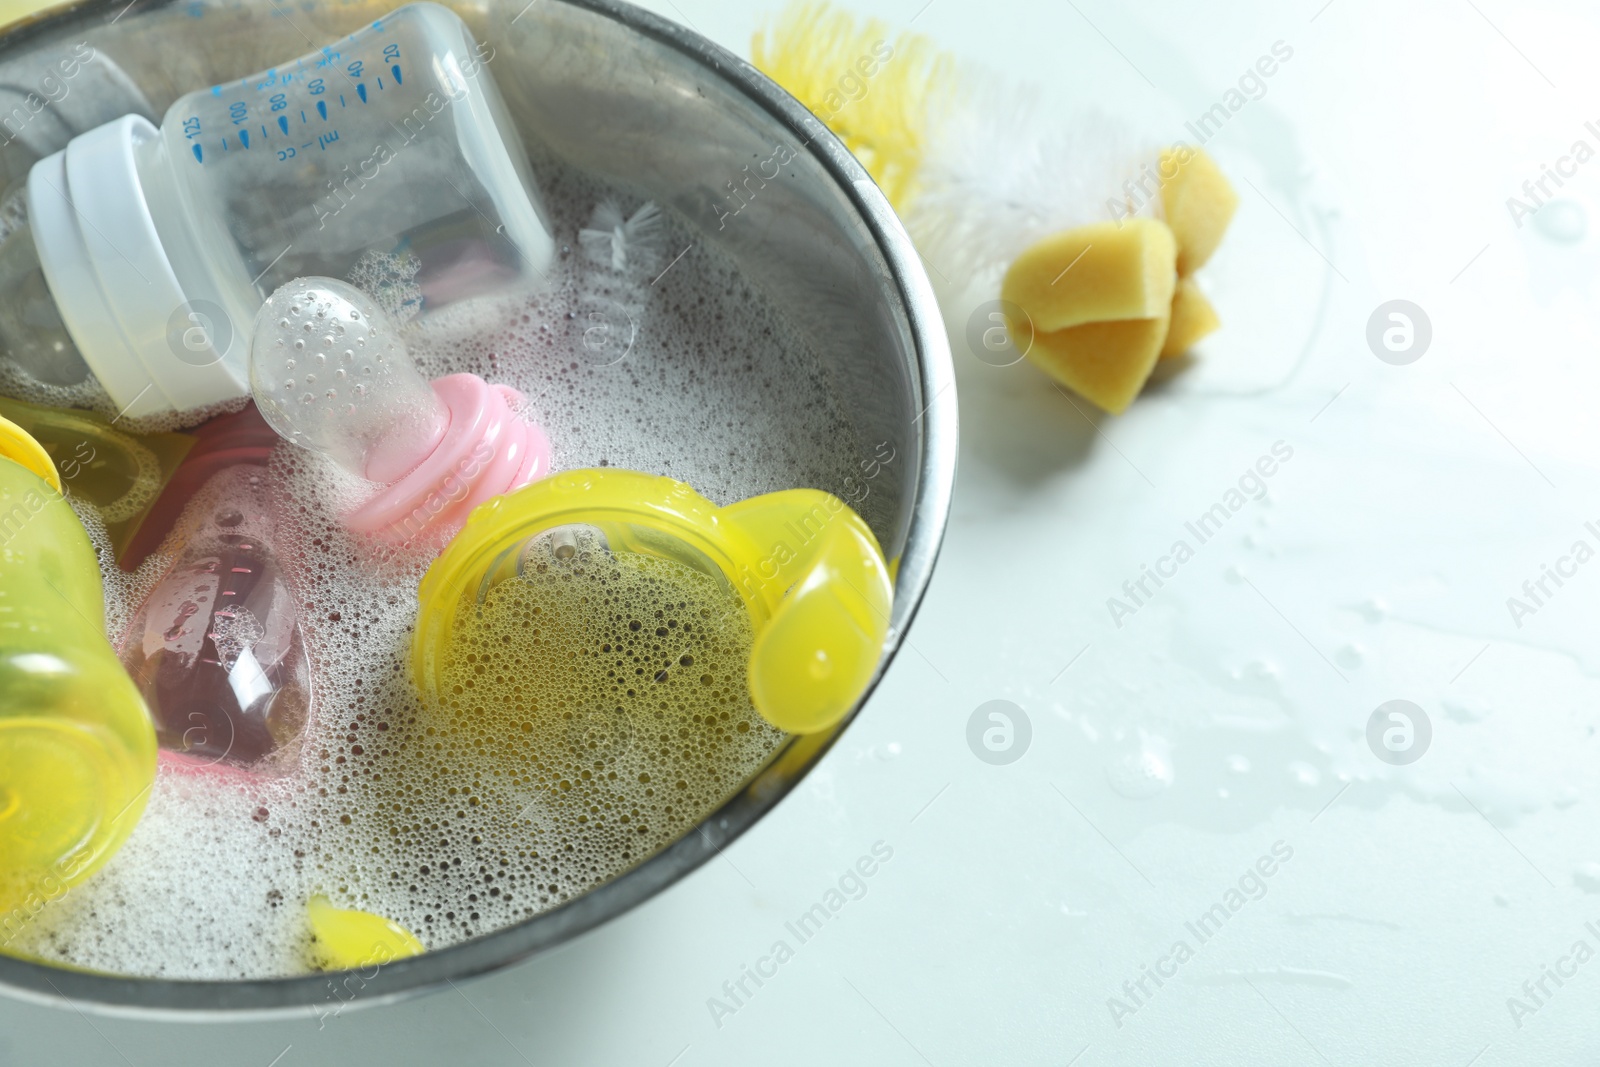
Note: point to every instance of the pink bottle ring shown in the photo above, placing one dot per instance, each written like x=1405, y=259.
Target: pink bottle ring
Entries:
x=487, y=449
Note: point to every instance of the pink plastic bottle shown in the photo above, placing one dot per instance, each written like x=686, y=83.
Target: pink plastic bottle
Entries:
x=223, y=442
x=220, y=692
x=216, y=648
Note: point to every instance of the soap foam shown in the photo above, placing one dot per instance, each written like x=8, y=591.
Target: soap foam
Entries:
x=456, y=823
x=88, y=394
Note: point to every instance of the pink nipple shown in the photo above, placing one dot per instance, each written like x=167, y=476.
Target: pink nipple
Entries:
x=331, y=373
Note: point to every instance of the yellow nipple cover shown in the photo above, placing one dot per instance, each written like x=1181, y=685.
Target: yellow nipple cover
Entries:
x=796, y=574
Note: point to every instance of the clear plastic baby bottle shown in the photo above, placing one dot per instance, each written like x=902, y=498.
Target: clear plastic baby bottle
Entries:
x=216, y=647
x=159, y=246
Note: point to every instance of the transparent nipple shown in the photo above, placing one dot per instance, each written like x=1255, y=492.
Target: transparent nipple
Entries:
x=330, y=373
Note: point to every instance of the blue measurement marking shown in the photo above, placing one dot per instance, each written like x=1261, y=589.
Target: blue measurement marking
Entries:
x=244, y=138
x=395, y=70
x=361, y=91
x=224, y=144
x=322, y=109
x=197, y=158
x=283, y=123
x=302, y=116
x=341, y=100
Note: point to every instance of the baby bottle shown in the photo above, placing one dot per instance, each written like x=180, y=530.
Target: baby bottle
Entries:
x=77, y=753
x=216, y=647
x=227, y=441
x=160, y=245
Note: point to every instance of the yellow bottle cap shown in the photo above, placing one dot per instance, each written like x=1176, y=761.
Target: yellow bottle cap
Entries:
x=17, y=444
x=807, y=568
x=348, y=938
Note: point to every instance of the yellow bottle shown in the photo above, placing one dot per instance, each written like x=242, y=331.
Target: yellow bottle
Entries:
x=77, y=750
x=801, y=563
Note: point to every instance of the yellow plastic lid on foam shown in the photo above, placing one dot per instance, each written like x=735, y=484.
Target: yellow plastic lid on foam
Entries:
x=807, y=569
x=348, y=938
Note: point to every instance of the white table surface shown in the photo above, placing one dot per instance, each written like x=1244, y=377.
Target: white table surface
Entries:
x=1229, y=712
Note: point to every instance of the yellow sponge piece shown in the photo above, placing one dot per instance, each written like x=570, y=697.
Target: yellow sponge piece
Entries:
x=1095, y=273
x=1192, y=318
x=1104, y=362
x=1199, y=203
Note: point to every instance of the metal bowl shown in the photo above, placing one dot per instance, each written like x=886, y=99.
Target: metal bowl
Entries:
x=623, y=93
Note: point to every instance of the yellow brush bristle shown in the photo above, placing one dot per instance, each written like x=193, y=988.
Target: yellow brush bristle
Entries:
x=874, y=93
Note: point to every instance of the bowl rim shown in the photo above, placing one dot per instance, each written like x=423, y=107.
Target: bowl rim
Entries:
x=329, y=993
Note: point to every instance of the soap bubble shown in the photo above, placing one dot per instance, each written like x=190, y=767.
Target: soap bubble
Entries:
x=390, y=278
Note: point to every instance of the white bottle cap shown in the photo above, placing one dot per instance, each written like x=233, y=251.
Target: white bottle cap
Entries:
x=114, y=283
